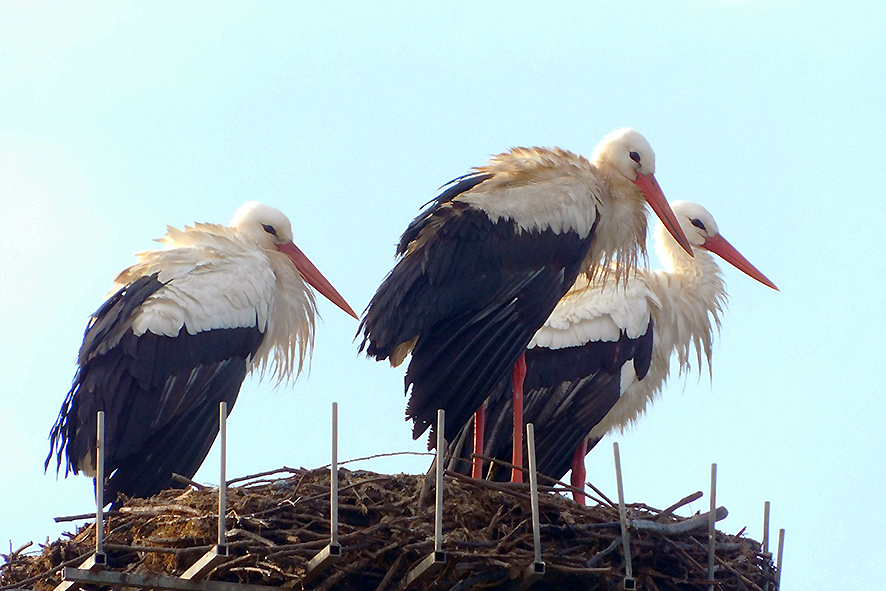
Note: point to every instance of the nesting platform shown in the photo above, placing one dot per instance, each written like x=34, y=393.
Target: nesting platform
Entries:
x=277, y=522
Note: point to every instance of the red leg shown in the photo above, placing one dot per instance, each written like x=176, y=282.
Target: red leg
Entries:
x=518, y=374
x=479, y=426
x=579, y=472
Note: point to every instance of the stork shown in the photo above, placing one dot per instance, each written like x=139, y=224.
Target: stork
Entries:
x=484, y=265
x=179, y=333
x=604, y=353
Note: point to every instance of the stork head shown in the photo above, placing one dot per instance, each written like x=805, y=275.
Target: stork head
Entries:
x=625, y=155
x=626, y=151
x=271, y=229
x=265, y=224
x=702, y=232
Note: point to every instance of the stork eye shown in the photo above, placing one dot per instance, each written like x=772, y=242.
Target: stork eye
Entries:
x=269, y=229
x=635, y=156
x=698, y=224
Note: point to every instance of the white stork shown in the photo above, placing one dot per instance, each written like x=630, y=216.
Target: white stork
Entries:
x=604, y=353
x=182, y=329
x=481, y=269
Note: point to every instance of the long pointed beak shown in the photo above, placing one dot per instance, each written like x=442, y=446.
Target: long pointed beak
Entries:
x=719, y=245
x=656, y=200
x=313, y=276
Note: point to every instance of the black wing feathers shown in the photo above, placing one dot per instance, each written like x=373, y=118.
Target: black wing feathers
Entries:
x=453, y=189
x=568, y=392
x=106, y=326
x=472, y=291
x=160, y=395
x=181, y=443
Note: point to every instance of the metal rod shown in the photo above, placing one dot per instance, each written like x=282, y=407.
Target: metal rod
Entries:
x=712, y=531
x=766, y=527
x=332, y=552
x=533, y=489
x=220, y=552
x=333, y=479
x=438, y=509
x=778, y=558
x=222, y=479
x=765, y=544
x=99, y=482
x=434, y=561
x=118, y=579
x=622, y=514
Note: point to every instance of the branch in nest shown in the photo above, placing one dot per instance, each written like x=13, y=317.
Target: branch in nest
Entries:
x=680, y=526
x=188, y=481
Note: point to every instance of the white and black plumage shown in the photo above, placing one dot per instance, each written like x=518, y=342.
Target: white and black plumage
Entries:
x=481, y=269
x=605, y=351
x=185, y=325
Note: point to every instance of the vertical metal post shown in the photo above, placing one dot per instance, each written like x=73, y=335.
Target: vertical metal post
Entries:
x=712, y=531
x=222, y=479
x=333, y=479
x=766, y=527
x=438, y=509
x=766, y=554
x=99, y=559
x=332, y=552
x=99, y=482
x=220, y=552
x=629, y=582
x=533, y=489
x=778, y=558
x=536, y=570
x=434, y=561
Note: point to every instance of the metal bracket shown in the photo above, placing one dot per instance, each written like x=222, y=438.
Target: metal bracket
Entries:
x=321, y=561
x=93, y=564
x=432, y=563
x=215, y=556
x=530, y=575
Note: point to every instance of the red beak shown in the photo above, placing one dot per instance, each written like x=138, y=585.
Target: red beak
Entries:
x=718, y=245
x=313, y=276
x=656, y=200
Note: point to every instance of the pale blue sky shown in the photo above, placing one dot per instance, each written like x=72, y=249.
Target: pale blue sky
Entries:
x=117, y=119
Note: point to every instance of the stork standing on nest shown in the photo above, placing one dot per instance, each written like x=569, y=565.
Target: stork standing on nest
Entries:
x=481, y=269
x=604, y=353
x=178, y=335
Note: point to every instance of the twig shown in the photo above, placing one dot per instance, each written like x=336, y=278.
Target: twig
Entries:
x=46, y=574
x=684, y=501
x=387, y=455
x=508, y=487
x=580, y=570
x=157, y=549
x=13, y=554
x=252, y=536
x=390, y=574
x=603, y=553
x=552, y=480
x=680, y=526
x=166, y=509
x=188, y=481
x=62, y=519
x=261, y=474
x=729, y=567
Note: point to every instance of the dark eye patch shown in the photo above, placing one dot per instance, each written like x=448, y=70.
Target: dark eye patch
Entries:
x=269, y=229
x=698, y=224
x=635, y=157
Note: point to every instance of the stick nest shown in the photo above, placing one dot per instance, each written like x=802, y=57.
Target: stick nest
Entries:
x=278, y=521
